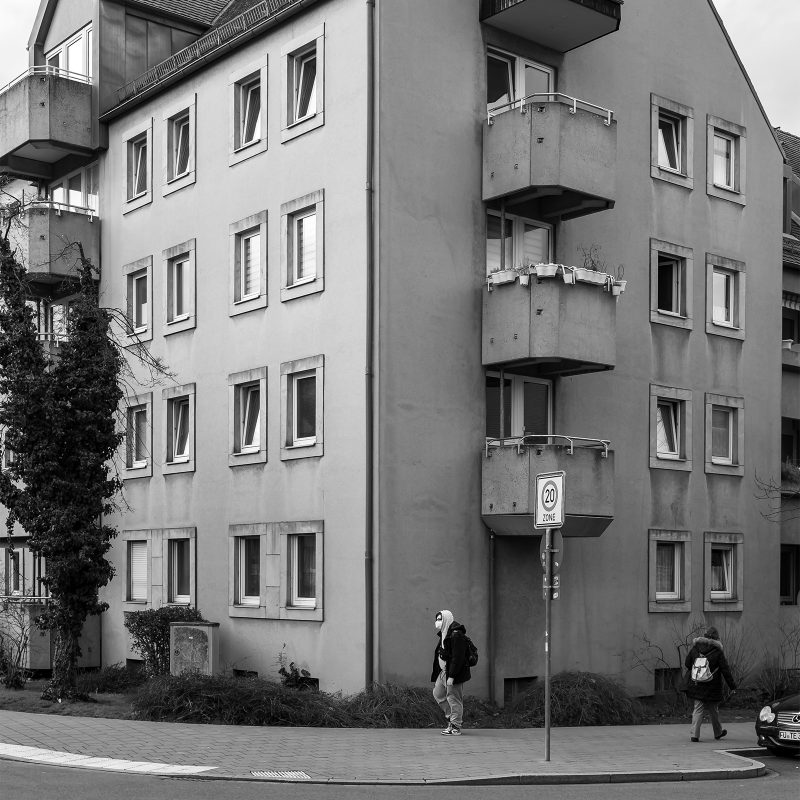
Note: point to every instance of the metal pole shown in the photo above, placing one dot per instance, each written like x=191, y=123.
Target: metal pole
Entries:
x=548, y=574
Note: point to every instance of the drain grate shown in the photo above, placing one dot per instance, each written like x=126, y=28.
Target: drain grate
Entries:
x=281, y=775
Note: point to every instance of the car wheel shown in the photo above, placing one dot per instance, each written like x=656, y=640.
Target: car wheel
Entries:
x=784, y=752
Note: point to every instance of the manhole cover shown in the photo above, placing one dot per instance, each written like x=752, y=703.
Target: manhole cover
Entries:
x=281, y=775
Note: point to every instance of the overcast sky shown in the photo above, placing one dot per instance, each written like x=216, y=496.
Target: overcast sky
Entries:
x=764, y=34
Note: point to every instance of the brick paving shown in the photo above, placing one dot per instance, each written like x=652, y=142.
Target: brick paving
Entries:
x=625, y=753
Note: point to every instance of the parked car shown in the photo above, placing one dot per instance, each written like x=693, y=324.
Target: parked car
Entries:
x=778, y=726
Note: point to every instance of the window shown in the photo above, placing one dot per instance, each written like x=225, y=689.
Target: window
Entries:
x=180, y=427
x=248, y=253
x=140, y=302
x=302, y=570
x=78, y=191
x=725, y=291
x=179, y=290
x=303, y=78
x=138, y=144
x=671, y=424
x=301, y=425
x=179, y=571
x=671, y=280
x=301, y=567
x=248, y=417
x=522, y=241
x=790, y=317
x=21, y=571
x=302, y=258
x=724, y=434
x=249, y=570
x=177, y=547
x=723, y=571
x=510, y=79
x=9, y=456
x=138, y=277
x=13, y=577
x=671, y=147
x=790, y=574
x=73, y=56
x=180, y=144
x=137, y=437
x=248, y=109
x=670, y=568
x=670, y=285
x=137, y=572
x=725, y=157
x=526, y=406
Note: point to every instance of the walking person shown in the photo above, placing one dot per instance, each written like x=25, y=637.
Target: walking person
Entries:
x=450, y=670
x=707, y=666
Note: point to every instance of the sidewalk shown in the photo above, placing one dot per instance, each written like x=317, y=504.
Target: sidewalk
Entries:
x=360, y=756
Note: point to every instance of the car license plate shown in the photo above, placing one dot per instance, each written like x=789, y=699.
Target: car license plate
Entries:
x=789, y=735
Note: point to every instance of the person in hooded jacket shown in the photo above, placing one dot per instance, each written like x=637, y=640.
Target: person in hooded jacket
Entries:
x=450, y=670
x=707, y=695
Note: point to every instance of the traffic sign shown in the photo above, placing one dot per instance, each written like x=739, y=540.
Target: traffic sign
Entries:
x=549, y=500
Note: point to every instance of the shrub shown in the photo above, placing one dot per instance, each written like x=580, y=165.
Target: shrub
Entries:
x=115, y=679
x=149, y=630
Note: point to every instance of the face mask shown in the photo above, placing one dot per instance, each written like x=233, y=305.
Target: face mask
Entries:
x=438, y=623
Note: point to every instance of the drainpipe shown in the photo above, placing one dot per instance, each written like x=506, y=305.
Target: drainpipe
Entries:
x=490, y=625
x=369, y=609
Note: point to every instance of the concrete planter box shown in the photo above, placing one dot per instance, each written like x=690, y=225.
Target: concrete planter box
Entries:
x=569, y=329
x=550, y=148
x=509, y=487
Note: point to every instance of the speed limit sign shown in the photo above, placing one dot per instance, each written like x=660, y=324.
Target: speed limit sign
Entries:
x=549, y=500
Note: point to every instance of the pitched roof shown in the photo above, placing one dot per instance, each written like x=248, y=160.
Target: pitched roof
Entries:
x=791, y=147
x=231, y=9
x=201, y=12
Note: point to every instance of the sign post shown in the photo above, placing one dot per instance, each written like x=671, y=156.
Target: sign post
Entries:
x=550, y=516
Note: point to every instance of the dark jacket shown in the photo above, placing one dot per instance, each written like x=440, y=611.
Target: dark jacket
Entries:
x=710, y=691
x=454, y=652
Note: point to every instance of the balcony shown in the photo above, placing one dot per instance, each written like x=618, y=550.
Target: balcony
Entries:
x=553, y=150
x=790, y=354
x=52, y=227
x=559, y=24
x=558, y=327
x=47, y=117
x=510, y=467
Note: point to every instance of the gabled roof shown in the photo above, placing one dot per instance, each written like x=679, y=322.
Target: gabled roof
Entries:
x=791, y=147
x=231, y=9
x=201, y=12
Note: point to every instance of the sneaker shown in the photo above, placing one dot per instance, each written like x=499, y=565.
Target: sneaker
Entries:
x=448, y=731
x=724, y=733
x=455, y=731
x=695, y=739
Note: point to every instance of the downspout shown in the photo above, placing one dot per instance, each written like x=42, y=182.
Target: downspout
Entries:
x=369, y=609
x=490, y=626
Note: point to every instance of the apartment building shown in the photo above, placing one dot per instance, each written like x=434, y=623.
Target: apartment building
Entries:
x=401, y=258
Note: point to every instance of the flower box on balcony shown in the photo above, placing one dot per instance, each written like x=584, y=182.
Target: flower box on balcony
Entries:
x=590, y=276
x=546, y=270
x=502, y=276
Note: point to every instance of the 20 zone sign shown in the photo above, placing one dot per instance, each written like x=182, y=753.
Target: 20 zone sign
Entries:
x=549, y=500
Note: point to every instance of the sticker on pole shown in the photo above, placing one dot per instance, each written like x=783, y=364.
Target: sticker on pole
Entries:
x=549, y=500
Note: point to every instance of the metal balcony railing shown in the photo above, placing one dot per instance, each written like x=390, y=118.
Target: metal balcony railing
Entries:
x=551, y=97
x=542, y=440
x=59, y=208
x=47, y=69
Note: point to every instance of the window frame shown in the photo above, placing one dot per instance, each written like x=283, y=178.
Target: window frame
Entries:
x=183, y=109
x=308, y=446
x=518, y=224
x=237, y=381
x=294, y=53
x=185, y=252
x=737, y=136
x=683, y=116
x=736, y=408
x=731, y=599
x=170, y=538
x=680, y=600
x=238, y=80
x=62, y=184
x=126, y=537
x=684, y=259
x=175, y=398
x=681, y=400
x=290, y=212
x=306, y=610
x=267, y=605
x=143, y=268
x=791, y=554
x=516, y=65
x=131, y=140
x=135, y=468
x=236, y=232
x=735, y=329
x=61, y=50
x=517, y=422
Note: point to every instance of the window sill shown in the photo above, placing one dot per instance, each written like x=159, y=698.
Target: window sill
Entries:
x=185, y=322
x=724, y=329
x=669, y=606
x=303, y=288
x=680, y=464
x=253, y=612
x=301, y=614
x=734, y=470
x=309, y=450
x=723, y=193
x=248, y=299
x=670, y=176
x=670, y=318
x=242, y=458
x=714, y=604
x=177, y=466
x=178, y=183
x=245, y=151
x=298, y=128
x=132, y=203
x=138, y=471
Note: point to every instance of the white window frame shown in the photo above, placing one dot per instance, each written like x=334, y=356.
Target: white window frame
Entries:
x=58, y=191
x=736, y=135
x=681, y=401
x=668, y=415
x=297, y=439
x=60, y=51
x=731, y=598
x=237, y=232
x=734, y=406
x=728, y=165
x=173, y=565
x=293, y=55
x=132, y=140
x=516, y=65
x=678, y=600
x=130, y=603
x=291, y=212
x=674, y=125
x=294, y=598
x=179, y=400
x=729, y=415
x=183, y=110
x=292, y=446
x=733, y=270
x=292, y=606
x=683, y=118
x=727, y=301
x=184, y=253
x=138, y=468
x=518, y=224
x=239, y=83
x=517, y=389
x=136, y=270
x=684, y=260
x=237, y=385
x=242, y=598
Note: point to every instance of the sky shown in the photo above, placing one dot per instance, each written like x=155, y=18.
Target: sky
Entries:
x=764, y=38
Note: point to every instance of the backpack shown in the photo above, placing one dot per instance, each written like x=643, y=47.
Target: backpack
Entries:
x=472, y=652
x=701, y=670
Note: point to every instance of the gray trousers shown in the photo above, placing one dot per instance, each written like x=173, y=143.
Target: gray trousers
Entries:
x=700, y=707
x=450, y=699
